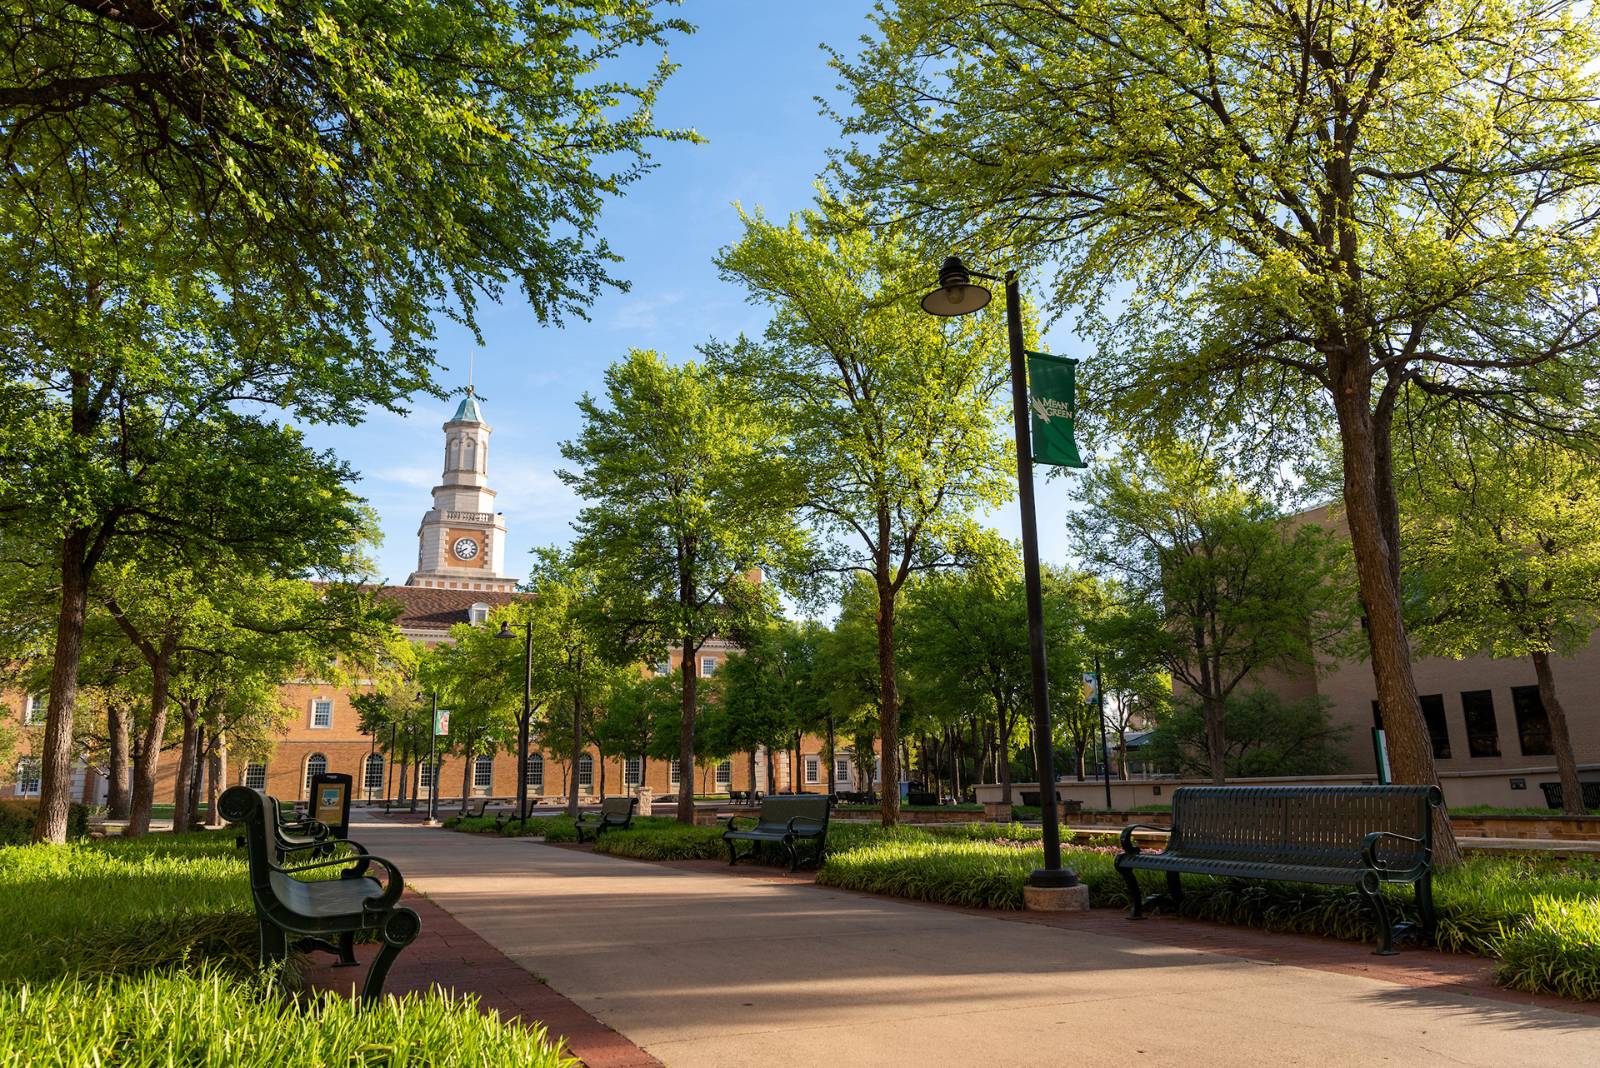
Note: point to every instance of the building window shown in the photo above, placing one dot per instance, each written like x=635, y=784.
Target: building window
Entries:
x=841, y=769
x=663, y=667
x=631, y=769
x=255, y=776
x=813, y=769
x=1438, y=732
x=27, y=777
x=586, y=772
x=535, y=771
x=674, y=773
x=483, y=773
x=374, y=772
x=1483, y=735
x=322, y=712
x=1533, y=722
x=425, y=776
x=724, y=774
x=708, y=666
x=316, y=764
x=34, y=708
x=479, y=613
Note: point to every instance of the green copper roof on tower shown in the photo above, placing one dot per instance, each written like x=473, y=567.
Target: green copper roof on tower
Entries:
x=468, y=411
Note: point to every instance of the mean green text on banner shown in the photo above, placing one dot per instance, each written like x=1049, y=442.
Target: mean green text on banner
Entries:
x=1053, y=405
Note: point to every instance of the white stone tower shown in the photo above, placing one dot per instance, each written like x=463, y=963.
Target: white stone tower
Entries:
x=462, y=540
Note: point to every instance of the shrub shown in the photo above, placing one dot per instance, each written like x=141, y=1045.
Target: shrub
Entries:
x=673, y=842
x=215, y=1018
x=17, y=817
x=1555, y=949
x=971, y=873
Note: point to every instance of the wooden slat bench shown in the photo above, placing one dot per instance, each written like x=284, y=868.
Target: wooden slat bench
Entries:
x=311, y=911
x=1361, y=836
x=787, y=820
x=616, y=813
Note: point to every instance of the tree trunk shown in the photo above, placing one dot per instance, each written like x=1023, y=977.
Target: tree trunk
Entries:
x=686, y=719
x=119, y=721
x=416, y=781
x=601, y=760
x=888, y=687
x=197, y=778
x=1212, y=709
x=833, y=783
x=55, y=758
x=181, y=813
x=754, y=783
x=217, y=776
x=144, y=782
x=466, y=781
x=1560, y=738
x=1376, y=559
x=772, y=771
x=577, y=755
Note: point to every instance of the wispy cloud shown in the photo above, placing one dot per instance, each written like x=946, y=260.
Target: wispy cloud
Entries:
x=644, y=313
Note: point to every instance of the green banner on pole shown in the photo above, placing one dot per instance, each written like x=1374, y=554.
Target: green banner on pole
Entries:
x=1053, y=404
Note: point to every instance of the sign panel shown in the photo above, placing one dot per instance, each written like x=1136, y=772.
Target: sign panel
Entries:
x=441, y=722
x=330, y=801
x=1053, y=406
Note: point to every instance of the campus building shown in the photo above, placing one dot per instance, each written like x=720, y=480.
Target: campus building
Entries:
x=461, y=577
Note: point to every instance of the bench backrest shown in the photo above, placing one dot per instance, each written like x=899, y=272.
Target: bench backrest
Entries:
x=778, y=809
x=249, y=811
x=617, y=809
x=1321, y=826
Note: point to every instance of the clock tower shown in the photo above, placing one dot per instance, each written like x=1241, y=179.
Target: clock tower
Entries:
x=462, y=541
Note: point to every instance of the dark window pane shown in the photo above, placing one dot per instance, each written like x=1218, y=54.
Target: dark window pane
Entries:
x=1483, y=737
x=1433, y=715
x=1533, y=724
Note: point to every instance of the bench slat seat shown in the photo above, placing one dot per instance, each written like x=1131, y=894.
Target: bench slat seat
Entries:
x=355, y=903
x=616, y=813
x=1361, y=836
x=784, y=819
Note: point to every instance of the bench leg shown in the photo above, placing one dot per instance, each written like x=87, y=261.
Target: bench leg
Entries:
x=347, y=950
x=1374, y=895
x=794, y=856
x=1424, y=892
x=1174, y=891
x=274, y=943
x=1132, y=884
x=400, y=929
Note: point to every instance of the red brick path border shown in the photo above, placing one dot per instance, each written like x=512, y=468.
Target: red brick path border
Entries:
x=450, y=956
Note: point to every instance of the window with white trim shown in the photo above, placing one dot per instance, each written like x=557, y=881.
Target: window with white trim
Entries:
x=34, y=709
x=483, y=773
x=425, y=776
x=255, y=776
x=316, y=764
x=663, y=667
x=813, y=769
x=534, y=772
x=586, y=772
x=374, y=772
x=478, y=613
x=322, y=712
x=674, y=772
x=841, y=769
x=708, y=666
x=724, y=774
x=27, y=777
x=631, y=769
x=877, y=769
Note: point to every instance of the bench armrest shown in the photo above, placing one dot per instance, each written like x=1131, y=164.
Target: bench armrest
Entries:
x=812, y=823
x=394, y=882
x=1128, y=844
x=1369, y=848
x=739, y=816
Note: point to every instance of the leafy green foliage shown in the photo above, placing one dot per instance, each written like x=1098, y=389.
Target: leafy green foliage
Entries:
x=212, y=1016
x=668, y=843
x=1553, y=949
x=1265, y=735
x=17, y=818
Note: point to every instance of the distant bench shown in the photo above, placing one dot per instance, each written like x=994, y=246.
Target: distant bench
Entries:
x=1361, y=836
x=352, y=904
x=787, y=820
x=616, y=813
x=1553, y=798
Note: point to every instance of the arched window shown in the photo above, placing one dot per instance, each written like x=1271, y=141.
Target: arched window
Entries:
x=535, y=772
x=586, y=771
x=469, y=458
x=255, y=776
x=316, y=764
x=373, y=776
x=479, y=612
x=724, y=774
x=483, y=773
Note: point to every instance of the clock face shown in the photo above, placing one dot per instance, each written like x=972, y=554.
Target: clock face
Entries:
x=465, y=548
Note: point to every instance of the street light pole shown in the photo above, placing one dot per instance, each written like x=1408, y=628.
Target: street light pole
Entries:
x=957, y=296
x=433, y=761
x=527, y=713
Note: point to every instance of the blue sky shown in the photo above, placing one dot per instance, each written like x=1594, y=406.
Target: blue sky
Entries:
x=747, y=82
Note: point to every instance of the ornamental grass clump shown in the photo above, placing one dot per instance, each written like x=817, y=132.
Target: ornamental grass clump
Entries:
x=672, y=842
x=952, y=872
x=214, y=1018
x=1554, y=949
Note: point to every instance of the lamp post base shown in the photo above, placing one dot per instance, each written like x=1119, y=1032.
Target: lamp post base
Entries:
x=1073, y=898
x=1051, y=878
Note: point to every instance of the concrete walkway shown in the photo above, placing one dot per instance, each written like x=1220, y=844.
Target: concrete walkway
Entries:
x=702, y=969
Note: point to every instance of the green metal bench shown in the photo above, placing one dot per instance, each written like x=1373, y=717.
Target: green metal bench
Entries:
x=310, y=912
x=1360, y=836
x=788, y=820
x=616, y=813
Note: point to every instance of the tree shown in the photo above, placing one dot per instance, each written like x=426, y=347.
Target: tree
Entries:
x=211, y=209
x=892, y=415
x=481, y=683
x=1275, y=216
x=1266, y=736
x=770, y=691
x=688, y=501
x=1502, y=540
x=639, y=716
x=1219, y=586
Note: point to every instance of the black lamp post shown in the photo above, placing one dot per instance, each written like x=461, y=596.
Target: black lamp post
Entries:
x=957, y=295
x=433, y=760
x=527, y=713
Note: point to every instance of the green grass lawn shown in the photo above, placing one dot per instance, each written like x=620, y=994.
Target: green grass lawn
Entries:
x=144, y=951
